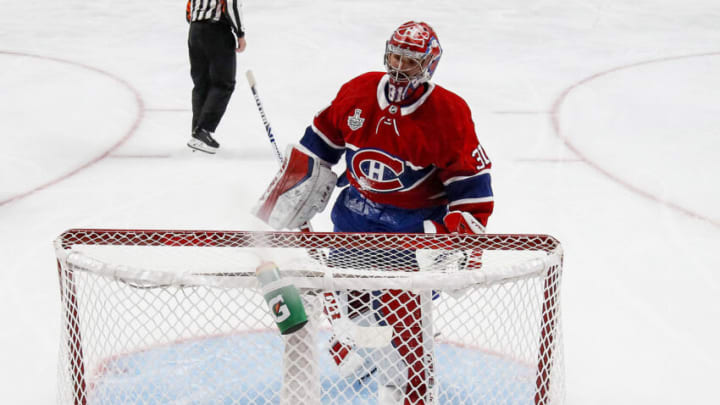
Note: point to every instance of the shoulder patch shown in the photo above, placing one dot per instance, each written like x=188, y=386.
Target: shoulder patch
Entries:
x=356, y=121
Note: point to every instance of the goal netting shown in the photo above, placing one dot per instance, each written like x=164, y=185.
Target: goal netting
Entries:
x=158, y=317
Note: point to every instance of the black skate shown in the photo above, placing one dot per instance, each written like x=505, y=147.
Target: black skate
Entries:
x=203, y=141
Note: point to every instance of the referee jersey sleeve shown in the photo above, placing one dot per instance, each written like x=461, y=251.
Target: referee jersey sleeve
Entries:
x=233, y=9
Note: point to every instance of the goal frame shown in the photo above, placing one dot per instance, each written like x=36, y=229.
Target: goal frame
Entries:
x=311, y=240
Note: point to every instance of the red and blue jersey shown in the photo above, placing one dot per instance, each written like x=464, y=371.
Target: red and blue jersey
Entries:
x=412, y=157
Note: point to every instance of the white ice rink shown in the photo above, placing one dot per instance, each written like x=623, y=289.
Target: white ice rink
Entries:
x=602, y=119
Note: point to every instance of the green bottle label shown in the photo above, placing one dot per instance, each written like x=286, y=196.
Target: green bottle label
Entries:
x=287, y=309
x=283, y=299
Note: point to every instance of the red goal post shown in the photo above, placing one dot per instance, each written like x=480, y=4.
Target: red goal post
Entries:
x=152, y=316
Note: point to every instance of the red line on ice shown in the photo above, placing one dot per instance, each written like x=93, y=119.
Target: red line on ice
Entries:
x=555, y=118
x=130, y=132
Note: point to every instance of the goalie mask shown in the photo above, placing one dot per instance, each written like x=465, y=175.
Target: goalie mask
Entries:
x=411, y=57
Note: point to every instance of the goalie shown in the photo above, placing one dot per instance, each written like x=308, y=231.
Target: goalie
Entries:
x=413, y=165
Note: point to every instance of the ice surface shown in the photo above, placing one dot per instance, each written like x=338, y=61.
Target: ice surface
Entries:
x=602, y=119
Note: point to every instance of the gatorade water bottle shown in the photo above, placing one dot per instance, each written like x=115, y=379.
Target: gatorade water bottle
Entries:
x=282, y=298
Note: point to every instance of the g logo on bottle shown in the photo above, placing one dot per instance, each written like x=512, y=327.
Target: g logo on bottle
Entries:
x=278, y=308
x=377, y=171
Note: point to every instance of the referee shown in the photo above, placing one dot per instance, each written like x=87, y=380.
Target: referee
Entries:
x=216, y=33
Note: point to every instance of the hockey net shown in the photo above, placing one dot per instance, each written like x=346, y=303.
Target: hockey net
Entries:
x=154, y=317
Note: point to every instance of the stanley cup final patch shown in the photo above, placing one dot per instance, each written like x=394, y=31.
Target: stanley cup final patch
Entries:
x=354, y=121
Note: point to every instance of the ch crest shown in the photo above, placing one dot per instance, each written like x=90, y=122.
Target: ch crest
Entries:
x=355, y=121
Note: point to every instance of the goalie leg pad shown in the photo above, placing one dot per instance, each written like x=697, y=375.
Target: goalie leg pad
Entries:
x=403, y=311
x=301, y=189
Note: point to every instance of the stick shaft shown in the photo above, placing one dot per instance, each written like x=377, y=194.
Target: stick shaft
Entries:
x=268, y=129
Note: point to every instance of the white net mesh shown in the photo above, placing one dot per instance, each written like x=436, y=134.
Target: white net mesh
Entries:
x=157, y=317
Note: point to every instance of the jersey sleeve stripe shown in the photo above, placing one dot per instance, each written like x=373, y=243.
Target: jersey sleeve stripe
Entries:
x=471, y=201
x=463, y=178
x=318, y=146
x=470, y=188
x=325, y=138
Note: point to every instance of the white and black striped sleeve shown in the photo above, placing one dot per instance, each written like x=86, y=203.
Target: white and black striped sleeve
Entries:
x=234, y=14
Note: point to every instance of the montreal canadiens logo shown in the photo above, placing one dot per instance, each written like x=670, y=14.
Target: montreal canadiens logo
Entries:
x=377, y=171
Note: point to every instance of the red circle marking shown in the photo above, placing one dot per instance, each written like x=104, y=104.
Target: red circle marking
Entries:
x=555, y=118
x=130, y=132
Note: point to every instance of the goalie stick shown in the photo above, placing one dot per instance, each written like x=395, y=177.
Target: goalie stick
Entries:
x=251, y=81
x=346, y=334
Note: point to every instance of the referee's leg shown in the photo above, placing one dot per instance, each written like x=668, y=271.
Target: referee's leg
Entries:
x=199, y=70
x=222, y=70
